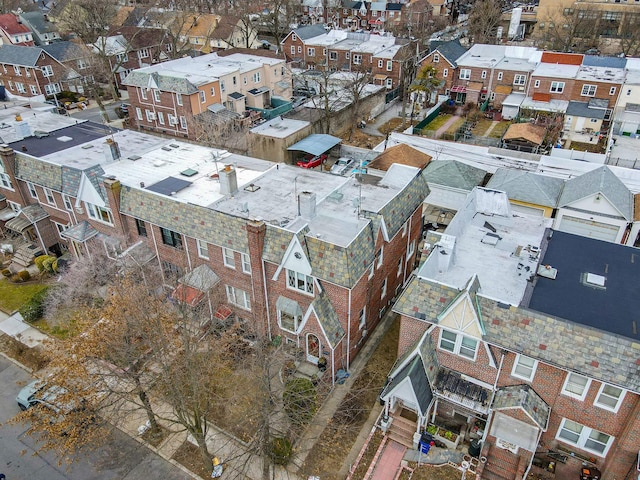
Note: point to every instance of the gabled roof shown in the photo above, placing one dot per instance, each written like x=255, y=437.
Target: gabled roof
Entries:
x=19, y=55
x=526, y=398
x=451, y=173
x=528, y=186
x=525, y=131
x=142, y=37
x=328, y=319
x=66, y=51
x=402, y=154
x=414, y=374
x=310, y=31
x=10, y=25
x=394, y=7
x=451, y=50
x=601, y=180
x=37, y=22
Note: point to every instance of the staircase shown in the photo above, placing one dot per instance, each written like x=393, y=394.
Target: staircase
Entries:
x=402, y=430
x=501, y=465
x=25, y=253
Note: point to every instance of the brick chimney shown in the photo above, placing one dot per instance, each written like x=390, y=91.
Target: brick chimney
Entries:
x=113, y=188
x=228, y=180
x=256, y=232
x=8, y=158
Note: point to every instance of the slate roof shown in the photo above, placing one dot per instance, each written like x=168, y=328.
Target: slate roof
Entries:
x=451, y=173
x=164, y=80
x=528, y=187
x=80, y=232
x=19, y=55
x=603, y=181
x=414, y=371
x=65, y=51
x=328, y=318
x=594, y=352
x=526, y=398
x=451, y=50
x=310, y=31
x=581, y=109
x=403, y=154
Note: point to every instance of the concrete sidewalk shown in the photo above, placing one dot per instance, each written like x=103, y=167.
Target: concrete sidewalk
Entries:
x=15, y=326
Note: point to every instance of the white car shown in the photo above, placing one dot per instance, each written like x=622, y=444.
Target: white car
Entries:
x=342, y=166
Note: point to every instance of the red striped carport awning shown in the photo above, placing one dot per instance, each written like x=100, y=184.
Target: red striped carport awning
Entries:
x=459, y=89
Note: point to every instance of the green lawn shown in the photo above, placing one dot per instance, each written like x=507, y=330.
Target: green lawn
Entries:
x=482, y=126
x=455, y=126
x=437, y=122
x=14, y=295
x=499, y=129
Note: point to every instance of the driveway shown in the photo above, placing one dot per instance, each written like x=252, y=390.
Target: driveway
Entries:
x=121, y=457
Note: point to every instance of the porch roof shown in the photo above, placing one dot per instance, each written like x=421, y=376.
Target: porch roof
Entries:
x=27, y=216
x=81, y=232
x=415, y=374
x=526, y=398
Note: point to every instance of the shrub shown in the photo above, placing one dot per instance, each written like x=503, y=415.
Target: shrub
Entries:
x=280, y=450
x=39, y=261
x=6, y=272
x=33, y=310
x=15, y=278
x=24, y=275
x=47, y=264
x=300, y=400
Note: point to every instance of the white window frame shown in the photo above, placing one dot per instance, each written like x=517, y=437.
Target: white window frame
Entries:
x=601, y=392
x=47, y=71
x=143, y=93
x=536, y=84
x=483, y=74
x=380, y=257
x=32, y=190
x=556, y=87
x=588, y=90
x=400, y=265
x=372, y=270
x=389, y=65
x=333, y=55
x=293, y=50
x=519, y=79
x=143, y=53
x=383, y=292
x=139, y=113
x=499, y=75
x=457, y=344
x=96, y=213
x=48, y=195
x=203, y=96
x=362, y=320
x=583, y=437
x=17, y=71
x=436, y=58
x=519, y=365
x=20, y=87
x=228, y=258
x=297, y=322
x=411, y=250
x=405, y=228
x=66, y=200
x=5, y=181
x=156, y=95
x=51, y=88
x=380, y=63
x=567, y=383
x=612, y=91
x=183, y=122
x=160, y=117
x=357, y=59
x=296, y=280
x=311, y=52
x=445, y=72
x=151, y=116
x=465, y=74
x=203, y=249
x=34, y=89
x=179, y=98
x=16, y=207
x=246, y=263
x=238, y=297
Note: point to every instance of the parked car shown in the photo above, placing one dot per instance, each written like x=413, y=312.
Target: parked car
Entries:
x=312, y=161
x=304, y=91
x=342, y=166
x=39, y=392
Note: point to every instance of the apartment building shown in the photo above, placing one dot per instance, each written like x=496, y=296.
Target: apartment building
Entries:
x=313, y=258
x=166, y=97
x=384, y=56
x=521, y=337
x=14, y=32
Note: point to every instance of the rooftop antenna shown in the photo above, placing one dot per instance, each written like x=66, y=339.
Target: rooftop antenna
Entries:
x=214, y=156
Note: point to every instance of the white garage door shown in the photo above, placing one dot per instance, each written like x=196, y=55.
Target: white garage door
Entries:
x=538, y=212
x=589, y=228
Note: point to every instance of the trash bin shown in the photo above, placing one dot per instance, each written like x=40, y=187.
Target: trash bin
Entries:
x=426, y=438
x=474, y=448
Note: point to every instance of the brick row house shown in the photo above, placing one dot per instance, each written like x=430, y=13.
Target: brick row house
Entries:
x=31, y=71
x=525, y=353
x=318, y=271
x=384, y=56
x=166, y=98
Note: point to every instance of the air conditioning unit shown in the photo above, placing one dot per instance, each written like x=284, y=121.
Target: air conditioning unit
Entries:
x=521, y=89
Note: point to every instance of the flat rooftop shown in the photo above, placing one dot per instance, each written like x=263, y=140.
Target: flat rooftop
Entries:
x=487, y=239
x=63, y=139
x=279, y=127
x=555, y=70
x=42, y=119
x=601, y=74
x=611, y=304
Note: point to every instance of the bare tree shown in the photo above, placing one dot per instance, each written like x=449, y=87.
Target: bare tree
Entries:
x=277, y=23
x=630, y=38
x=484, y=20
x=569, y=30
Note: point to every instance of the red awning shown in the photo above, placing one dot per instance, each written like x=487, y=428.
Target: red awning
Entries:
x=223, y=312
x=377, y=21
x=459, y=89
x=186, y=294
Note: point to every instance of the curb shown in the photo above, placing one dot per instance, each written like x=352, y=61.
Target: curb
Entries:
x=17, y=363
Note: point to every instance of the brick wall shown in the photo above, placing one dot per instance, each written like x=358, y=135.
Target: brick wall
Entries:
x=603, y=91
x=545, y=87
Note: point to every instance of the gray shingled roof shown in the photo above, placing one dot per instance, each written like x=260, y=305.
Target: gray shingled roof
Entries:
x=603, y=181
x=65, y=51
x=328, y=318
x=414, y=371
x=37, y=23
x=451, y=173
x=451, y=50
x=596, y=353
x=310, y=31
x=527, y=186
x=525, y=397
x=19, y=55
x=164, y=80
x=581, y=109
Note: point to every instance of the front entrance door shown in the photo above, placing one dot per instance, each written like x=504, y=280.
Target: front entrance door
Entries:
x=313, y=348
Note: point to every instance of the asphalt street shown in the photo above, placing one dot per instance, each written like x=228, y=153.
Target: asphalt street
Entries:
x=120, y=457
x=93, y=113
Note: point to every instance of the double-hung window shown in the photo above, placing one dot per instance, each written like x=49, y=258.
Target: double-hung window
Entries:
x=588, y=90
x=465, y=74
x=524, y=367
x=299, y=281
x=576, y=386
x=203, y=249
x=156, y=95
x=379, y=257
x=557, y=87
x=238, y=297
x=49, y=196
x=246, y=262
x=519, y=79
x=141, y=227
x=66, y=199
x=609, y=397
x=228, y=258
x=5, y=181
x=101, y=214
x=458, y=344
x=584, y=437
x=32, y=190
x=171, y=238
